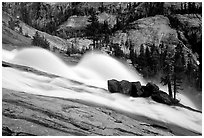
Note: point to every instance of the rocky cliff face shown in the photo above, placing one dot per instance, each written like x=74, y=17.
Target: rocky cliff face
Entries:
x=189, y=30
x=158, y=29
x=152, y=30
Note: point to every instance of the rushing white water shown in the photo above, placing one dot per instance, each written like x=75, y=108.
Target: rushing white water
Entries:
x=93, y=70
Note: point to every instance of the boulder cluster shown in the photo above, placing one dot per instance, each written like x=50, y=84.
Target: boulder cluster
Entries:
x=135, y=89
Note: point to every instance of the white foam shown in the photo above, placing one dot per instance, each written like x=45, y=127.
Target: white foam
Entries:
x=94, y=69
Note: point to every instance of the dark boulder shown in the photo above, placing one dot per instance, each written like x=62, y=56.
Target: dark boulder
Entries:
x=123, y=87
x=126, y=87
x=175, y=101
x=151, y=87
x=162, y=97
x=6, y=131
x=114, y=86
x=136, y=89
x=145, y=92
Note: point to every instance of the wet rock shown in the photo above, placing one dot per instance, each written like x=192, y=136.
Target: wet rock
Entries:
x=123, y=87
x=114, y=86
x=6, y=131
x=51, y=116
x=152, y=87
x=146, y=92
x=126, y=87
x=175, y=101
x=136, y=89
x=162, y=97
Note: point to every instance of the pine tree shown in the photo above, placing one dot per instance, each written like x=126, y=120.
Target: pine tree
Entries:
x=36, y=10
x=117, y=50
x=20, y=30
x=93, y=29
x=168, y=71
x=142, y=62
x=40, y=41
x=24, y=13
x=155, y=57
x=105, y=30
x=148, y=57
x=173, y=70
x=11, y=23
x=132, y=51
x=178, y=71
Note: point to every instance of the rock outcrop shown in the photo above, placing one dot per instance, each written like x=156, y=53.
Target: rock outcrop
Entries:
x=114, y=86
x=135, y=89
x=153, y=30
x=152, y=87
x=126, y=87
x=162, y=97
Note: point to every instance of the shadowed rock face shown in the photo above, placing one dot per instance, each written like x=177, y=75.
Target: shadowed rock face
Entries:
x=152, y=87
x=126, y=87
x=135, y=89
x=27, y=114
x=153, y=30
x=113, y=86
x=162, y=97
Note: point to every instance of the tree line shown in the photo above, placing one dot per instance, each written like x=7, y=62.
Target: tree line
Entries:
x=47, y=18
x=175, y=65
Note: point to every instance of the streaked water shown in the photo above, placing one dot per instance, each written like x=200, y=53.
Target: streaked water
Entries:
x=94, y=69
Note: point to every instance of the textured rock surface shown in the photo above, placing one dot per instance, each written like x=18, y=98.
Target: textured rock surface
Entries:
x=136, y=89
x=27, y=114
x=162, y=97
x=152, y=87
x=126, y=87
x=149, y=30
x=114, y=86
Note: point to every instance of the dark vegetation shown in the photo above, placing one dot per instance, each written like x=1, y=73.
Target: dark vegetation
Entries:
x=14, y=25
x=40, y=41
x=175, y=65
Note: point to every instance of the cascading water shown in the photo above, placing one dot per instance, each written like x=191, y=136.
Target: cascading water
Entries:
x=94, y=69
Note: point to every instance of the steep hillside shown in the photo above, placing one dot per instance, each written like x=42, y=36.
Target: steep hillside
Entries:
x=152, y=30
x=149, y=30
x=11, y=37
x=189, y=28
x=54, y=41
